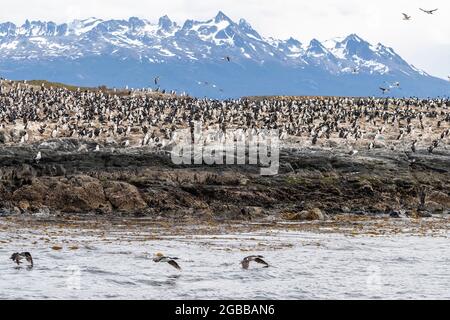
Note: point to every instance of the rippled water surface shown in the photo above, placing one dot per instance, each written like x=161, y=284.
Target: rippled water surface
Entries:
x=116, y=263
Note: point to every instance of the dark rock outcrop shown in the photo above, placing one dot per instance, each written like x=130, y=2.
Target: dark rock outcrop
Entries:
x=137, y=181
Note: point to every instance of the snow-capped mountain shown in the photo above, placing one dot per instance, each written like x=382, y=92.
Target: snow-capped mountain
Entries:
x=193, y=57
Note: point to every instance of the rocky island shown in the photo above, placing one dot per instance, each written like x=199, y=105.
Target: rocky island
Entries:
x=84, y=151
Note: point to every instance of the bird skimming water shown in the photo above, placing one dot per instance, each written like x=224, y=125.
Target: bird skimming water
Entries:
x=18, y=257
x=159, y=257
x=258, y=259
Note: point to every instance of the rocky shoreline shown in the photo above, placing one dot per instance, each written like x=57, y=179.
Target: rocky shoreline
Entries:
x=312, y=184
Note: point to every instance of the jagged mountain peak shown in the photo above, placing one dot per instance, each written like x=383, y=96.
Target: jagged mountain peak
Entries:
x=354, y=37
x=316, y=47
x=353, y=42
x=188, y=24
x=293, y=41
x=222, y=17
x=86, y=22
x=247, y=28
x=166, y=25
x=165, y=22
x=137, y=23
x=244, y=23
x=81, y=26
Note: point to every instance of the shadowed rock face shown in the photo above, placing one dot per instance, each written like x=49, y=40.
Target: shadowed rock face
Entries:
x=137, y=181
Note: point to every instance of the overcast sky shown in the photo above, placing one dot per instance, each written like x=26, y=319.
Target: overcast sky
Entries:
x=424, y=41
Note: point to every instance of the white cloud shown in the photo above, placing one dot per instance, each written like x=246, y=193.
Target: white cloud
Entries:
x=423, y=41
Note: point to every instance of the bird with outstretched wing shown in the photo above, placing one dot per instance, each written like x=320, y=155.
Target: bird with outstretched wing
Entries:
x=428, y=11
x=258, y=259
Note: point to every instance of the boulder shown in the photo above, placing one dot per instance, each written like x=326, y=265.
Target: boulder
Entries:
x=420, y=214
x=76, y=194
x=124, y=197
x=3, y=137
x=5, y=212
x=306, y=215
x=345, y=209
x=438, y=200
x=395, y=214
x=43, y=212
x=367, y=189
x=24, y=205
x=34, y=193
x=435, y=207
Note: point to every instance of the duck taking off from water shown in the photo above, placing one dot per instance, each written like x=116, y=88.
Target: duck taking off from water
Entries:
x=17, y=258
x=159, y=257
x=258, y=259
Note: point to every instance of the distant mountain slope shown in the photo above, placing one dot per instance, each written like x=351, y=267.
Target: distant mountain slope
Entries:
x=193, y=58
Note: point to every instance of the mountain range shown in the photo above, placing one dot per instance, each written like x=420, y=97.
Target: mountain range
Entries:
x=217, y=58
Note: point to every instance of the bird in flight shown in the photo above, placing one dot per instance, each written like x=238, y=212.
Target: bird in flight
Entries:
x=258, y=259
x=156, y=80
x=159, y=257
x=17, y=258
x=406, y=17
x=227, y=58
x=384, y=90
x=394, y=85
x=428, y=11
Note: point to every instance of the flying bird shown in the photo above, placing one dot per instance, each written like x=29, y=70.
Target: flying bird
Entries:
x=258, y=259
x=395, y=85
x=428, y=11
x=156, y=80
x=384, y=90
x=17, y=258
x=228, y=58
x=406, y=17
x=159, y=257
